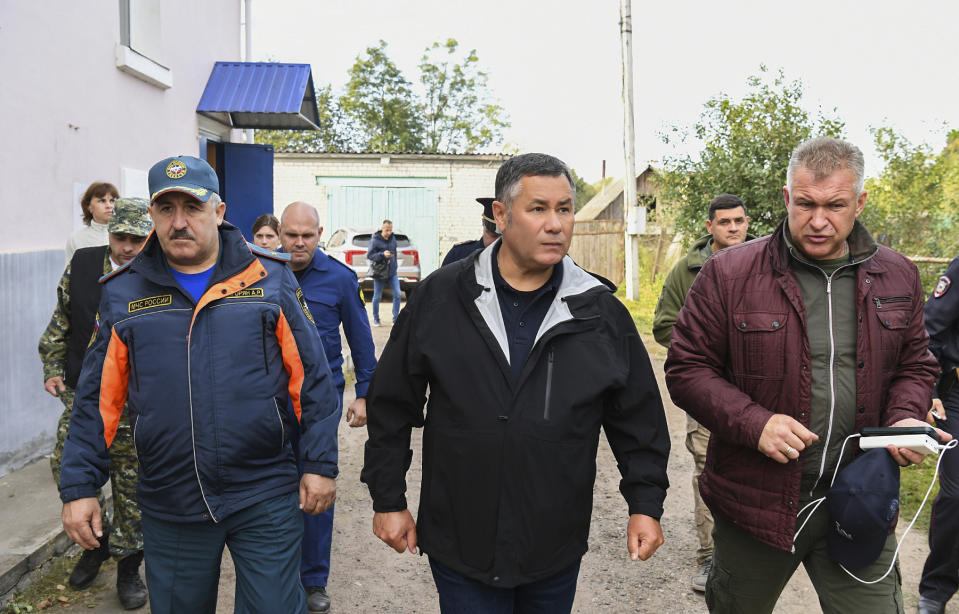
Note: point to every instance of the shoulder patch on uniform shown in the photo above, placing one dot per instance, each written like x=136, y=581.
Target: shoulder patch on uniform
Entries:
x=302, y=301
x=149, y=302
x=116, y=272
x=96, y=329
x=246, y=293
x=942, y=286
x=269, y=253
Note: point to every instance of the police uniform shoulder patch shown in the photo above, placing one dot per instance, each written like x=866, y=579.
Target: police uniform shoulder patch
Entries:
x=269, y=253
x=942, y=286
x=115, y=272
x=302, y=301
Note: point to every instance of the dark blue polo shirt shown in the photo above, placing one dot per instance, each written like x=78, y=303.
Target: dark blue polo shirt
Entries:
x=523, y=312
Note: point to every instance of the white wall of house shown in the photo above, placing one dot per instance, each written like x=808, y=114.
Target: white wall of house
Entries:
x=460, y=179
x=70, y=116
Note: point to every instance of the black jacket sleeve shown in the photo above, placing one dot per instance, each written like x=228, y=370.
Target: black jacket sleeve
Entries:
x=635, y=426
x=394, y=405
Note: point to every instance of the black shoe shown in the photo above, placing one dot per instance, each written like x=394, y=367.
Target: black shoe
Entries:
x=317, y=601
x=87, y=568
x=929, y=606
x=698, y=581
x=130, y=588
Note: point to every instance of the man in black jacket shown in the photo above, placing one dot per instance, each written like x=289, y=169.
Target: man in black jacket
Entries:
x=526, y=356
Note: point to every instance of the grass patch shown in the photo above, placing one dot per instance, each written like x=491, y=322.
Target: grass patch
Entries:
x=52, y=589
x=913, y=482
x=643, y=309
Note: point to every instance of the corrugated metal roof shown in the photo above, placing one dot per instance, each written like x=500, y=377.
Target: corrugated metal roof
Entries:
x=267, y=95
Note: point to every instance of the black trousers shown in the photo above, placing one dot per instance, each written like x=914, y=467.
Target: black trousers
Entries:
x=940, y=575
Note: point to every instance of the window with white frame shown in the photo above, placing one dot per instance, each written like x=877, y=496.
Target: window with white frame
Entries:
x=140, y=49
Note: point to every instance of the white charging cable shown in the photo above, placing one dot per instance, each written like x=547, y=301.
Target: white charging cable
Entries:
x=942, y=450
x=817, y=502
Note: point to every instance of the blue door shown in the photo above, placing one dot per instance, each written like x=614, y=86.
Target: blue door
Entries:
x=246, y=182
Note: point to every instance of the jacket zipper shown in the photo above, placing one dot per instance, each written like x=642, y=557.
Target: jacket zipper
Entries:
x=133, y=361
x=282, y=426
x=895, y=299
x=832, y=379
x=549, y=382
x=189, y=383
x=266, y=362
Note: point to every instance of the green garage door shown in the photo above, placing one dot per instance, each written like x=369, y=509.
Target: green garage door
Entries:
x=413, y=211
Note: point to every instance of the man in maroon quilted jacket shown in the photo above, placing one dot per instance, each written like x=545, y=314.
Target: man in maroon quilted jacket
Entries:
x=786, y=345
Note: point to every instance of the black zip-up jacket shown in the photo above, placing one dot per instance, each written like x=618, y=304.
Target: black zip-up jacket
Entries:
x=508, y=468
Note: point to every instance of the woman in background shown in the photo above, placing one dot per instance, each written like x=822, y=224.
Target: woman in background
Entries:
x=97, y=205
x=266, y=232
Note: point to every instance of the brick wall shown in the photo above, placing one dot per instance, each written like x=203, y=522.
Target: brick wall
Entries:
x=464, y=179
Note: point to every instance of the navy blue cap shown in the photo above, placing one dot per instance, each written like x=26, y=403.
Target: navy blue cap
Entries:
x=488, y=222
x=863, y=508
x=186, y=174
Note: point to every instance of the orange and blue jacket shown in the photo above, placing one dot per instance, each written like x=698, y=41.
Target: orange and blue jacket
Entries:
x=214, y=386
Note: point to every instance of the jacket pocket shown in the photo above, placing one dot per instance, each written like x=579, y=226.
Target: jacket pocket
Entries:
x=893, y=315
x=279, y=417
x=549, y=383
x=761, y=340
x=266, y=355
x=131, y=352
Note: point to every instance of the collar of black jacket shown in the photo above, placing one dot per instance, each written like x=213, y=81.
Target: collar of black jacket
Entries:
x=234, y=256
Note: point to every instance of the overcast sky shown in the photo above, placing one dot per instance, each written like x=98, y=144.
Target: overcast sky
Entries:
x=556, y=66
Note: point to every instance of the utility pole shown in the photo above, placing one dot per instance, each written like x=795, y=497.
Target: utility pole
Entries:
x=634, y=214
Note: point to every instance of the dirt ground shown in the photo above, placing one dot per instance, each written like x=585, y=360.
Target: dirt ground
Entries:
x=367, y=576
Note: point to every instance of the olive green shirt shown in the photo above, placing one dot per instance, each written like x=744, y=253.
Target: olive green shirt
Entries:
x=829, y=297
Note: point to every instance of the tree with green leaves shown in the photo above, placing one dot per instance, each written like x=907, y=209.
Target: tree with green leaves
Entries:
x=913, y=204
x=746, y=149
x=334, y=133
x=379, y=102
x=458, y=113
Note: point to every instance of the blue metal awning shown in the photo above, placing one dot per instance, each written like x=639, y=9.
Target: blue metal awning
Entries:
x=265, y=95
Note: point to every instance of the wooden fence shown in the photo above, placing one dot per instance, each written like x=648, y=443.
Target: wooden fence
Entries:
x=598, y=246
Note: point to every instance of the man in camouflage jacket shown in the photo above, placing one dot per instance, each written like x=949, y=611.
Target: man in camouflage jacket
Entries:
x=62, y=346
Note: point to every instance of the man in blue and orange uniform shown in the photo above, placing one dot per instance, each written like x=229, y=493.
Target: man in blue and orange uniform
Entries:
x=208, y=340
x=490, y=234
x=333, y=295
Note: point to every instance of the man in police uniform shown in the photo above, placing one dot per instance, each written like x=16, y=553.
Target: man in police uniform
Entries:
x=62, y=347
x=940, y=575
x=490, y=234
x=333, y=295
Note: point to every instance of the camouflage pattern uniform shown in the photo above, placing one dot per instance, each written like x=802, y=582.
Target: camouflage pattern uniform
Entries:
x=124, y=530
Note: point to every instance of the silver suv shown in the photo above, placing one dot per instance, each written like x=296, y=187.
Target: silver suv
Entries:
x=349, y=245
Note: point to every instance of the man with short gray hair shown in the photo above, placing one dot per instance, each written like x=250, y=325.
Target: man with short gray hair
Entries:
x=786, y=346
x=525, y=356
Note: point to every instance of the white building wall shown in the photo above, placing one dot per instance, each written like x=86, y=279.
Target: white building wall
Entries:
x=465, y=178
x=69, y=117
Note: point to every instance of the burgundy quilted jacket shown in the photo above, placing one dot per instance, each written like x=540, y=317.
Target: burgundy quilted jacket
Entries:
x=740, y=353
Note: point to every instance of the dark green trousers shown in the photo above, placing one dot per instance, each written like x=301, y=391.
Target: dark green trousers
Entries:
x=748, y=575
x=126, y=537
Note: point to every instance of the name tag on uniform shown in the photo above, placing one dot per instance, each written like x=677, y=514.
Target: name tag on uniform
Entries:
x=147, y=303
